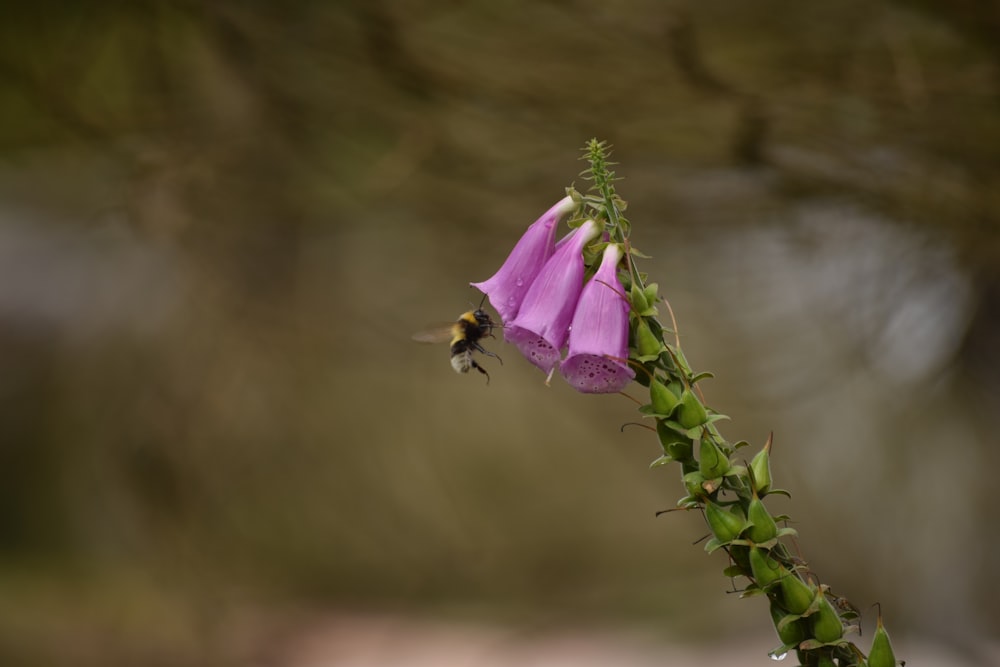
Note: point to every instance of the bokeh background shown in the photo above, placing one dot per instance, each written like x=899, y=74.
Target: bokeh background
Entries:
x=220, y=223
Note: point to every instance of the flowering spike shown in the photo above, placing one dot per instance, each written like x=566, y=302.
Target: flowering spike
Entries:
x=598, y=337
x=507, y=288
x=540, y=328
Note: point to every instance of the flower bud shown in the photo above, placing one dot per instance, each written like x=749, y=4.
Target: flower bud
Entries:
x=693, y=482
x=796, y=595
x=651, y=293
x=826, y=624
x=762, y=526
x=760, y=466
x=661, y=399
x=712, y=462
x=766, y=571
x=881, y=654
x=725, y=525
x=646, y=343
x=789, y=632
x=638, y=299
x=691, y=412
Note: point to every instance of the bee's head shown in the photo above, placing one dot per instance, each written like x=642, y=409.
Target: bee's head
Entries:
x=483, y=319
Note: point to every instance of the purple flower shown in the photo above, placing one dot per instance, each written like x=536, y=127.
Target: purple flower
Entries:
x=541, y=325
x=598, y=339
x=508, y=286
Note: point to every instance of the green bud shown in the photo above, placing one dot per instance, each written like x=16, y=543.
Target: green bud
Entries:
x=651, y=293
x=766, y=571
x=646, y=343
x=637, y=297
x=691, y=412
x=881, y=654
x=693, y=484
x=796, y=595
x=712, y=462
x=790, y=633
x=762, y=526
x=826, y=624
x=760, y=466
x=661, y=398
x=725, y=525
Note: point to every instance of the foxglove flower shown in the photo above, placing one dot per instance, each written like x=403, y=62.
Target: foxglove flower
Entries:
x=508, y=286
x=541, y=325
x=598, y=338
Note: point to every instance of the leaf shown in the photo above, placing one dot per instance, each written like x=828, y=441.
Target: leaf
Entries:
x=733, y=571
x=660, y=461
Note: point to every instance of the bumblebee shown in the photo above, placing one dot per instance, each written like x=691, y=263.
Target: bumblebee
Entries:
x=464, y=334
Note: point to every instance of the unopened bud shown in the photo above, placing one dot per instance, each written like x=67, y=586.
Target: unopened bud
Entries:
x=790, y=632
x=637, y=297
x=796, y=595
x=762, y=526
x=712, y=461
x=661, y=399
x=826, y=624
x=766, y=571
x=646, y=343
x=691, y=412
x=881, y=654
x=760, y=466
x=693, y=482
x=725, y=525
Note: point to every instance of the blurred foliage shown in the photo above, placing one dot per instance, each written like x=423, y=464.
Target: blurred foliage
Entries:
x=220, y=222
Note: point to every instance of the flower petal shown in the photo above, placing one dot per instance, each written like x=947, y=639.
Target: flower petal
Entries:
x=507, y=287
x=596, y=361
x=542, y=323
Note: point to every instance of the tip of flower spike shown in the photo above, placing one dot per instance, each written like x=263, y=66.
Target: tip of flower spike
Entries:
x=534, y=348
x=594, y=374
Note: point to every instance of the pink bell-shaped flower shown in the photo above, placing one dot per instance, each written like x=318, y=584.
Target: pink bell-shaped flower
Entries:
x=508, y=286
x=596, y=362
x=541, y=325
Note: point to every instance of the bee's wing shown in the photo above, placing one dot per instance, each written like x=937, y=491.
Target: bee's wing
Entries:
x=437, y=334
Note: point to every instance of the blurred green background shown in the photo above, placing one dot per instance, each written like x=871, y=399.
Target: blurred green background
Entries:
x=221, y=221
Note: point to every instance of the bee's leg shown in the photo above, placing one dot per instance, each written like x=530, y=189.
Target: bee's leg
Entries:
x=481, y=370
x=482, y=350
